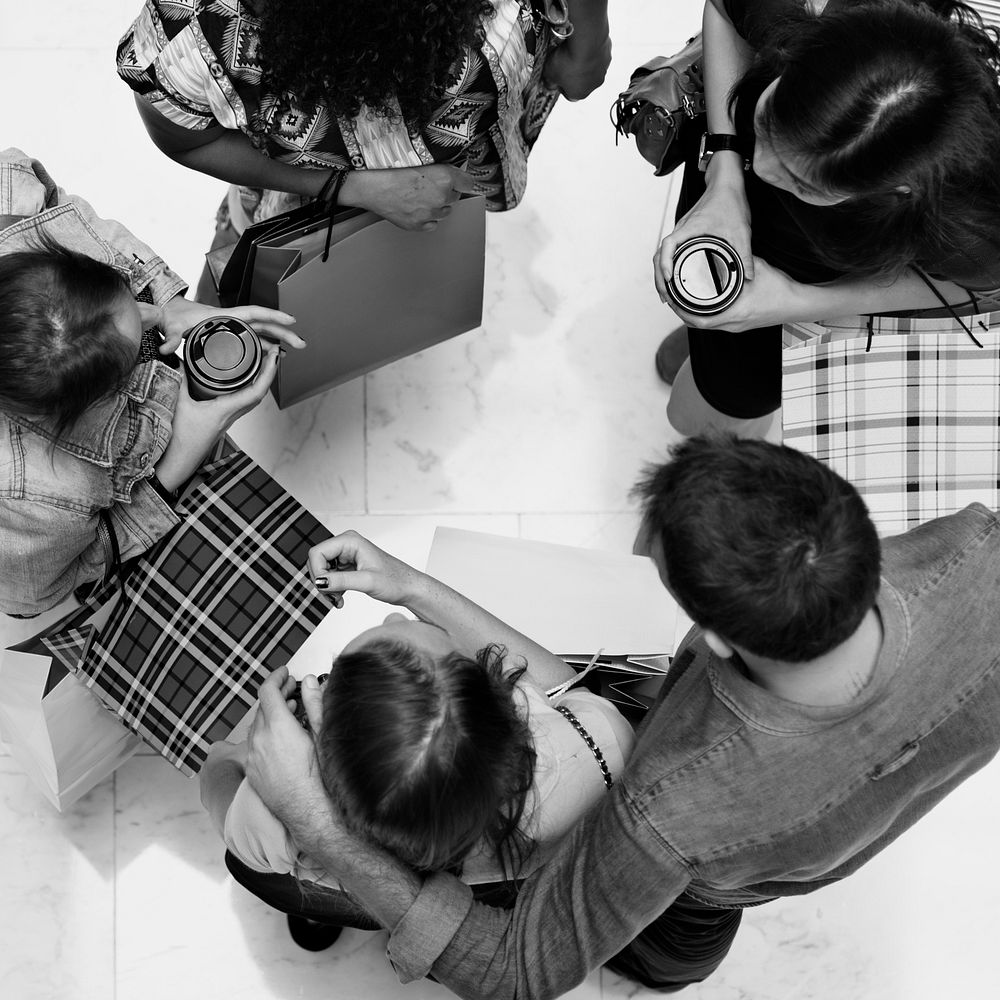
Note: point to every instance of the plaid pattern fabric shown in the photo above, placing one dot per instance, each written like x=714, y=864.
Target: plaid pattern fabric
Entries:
x=208, y=613
x=913, y=423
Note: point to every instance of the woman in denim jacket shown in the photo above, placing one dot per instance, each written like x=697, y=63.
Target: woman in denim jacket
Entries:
x=93, y=420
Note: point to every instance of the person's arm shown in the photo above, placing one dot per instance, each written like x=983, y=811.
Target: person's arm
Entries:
x=48, y=552
x=607, y=880
x=409, y=197
x=773, y=298
x=27, y=189
x=374, y=572
x=722, y=210
x=198, y=424
x=578, y=66
x=220, y=777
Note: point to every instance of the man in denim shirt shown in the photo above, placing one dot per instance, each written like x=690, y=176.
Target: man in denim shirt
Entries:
x=817, y=712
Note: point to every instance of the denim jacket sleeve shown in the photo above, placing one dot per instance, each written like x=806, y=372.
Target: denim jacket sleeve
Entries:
x=45, y=562
x=27, y=191
x=610, y=878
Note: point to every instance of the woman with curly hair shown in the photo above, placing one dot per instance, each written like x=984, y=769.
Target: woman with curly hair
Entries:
x=436, y=743
x=851, y=160
x=398, y=107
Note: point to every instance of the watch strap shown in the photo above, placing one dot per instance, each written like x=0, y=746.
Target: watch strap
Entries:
x=717, y=141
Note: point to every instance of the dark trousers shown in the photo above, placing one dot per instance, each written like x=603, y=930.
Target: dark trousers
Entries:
x=684, y=945
x=739, y=374
x=332, y=906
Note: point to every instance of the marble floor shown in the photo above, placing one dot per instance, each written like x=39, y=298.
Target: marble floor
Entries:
x=533, y=426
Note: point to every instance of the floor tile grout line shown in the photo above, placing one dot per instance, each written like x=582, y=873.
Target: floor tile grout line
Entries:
x=114, y=887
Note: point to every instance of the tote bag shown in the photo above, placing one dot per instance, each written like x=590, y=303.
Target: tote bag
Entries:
x=363, y=291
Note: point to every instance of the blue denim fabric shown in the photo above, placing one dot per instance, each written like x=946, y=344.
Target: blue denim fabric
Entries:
x=736, y=796
x=51, y=493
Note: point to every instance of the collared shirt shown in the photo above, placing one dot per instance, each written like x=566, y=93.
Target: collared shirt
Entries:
x=738, y=796
x=52, y=492
x=198, y=64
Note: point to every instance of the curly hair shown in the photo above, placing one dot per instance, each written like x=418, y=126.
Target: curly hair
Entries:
x=351, y=54
x=428, y=757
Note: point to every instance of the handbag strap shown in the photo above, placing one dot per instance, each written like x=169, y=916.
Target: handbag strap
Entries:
x=951, y=309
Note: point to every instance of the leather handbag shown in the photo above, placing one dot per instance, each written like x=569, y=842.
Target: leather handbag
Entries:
x=663, y=103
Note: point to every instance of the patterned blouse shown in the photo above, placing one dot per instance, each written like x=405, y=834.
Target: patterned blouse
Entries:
x=198, y=64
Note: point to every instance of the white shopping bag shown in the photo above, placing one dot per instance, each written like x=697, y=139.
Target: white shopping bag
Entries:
x=576, y=602
x=56, y=728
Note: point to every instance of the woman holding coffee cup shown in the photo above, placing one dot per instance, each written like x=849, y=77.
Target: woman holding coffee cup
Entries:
x=100, y=431
x=850, y=162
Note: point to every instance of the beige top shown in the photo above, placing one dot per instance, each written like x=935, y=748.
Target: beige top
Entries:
x=568, y=781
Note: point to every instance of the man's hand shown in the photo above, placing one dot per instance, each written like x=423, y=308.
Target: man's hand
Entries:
x=350, y=562
x=180, y=314
x=282, y=766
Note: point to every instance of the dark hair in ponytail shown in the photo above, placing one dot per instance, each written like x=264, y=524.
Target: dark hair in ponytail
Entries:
x=60, y=351
x=427, y=758
x=896, y=104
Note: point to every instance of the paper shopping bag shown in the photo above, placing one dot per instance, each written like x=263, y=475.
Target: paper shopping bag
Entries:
x=57, y=730
x=208, y=613
x=576, y=602
x=283, y=251
x=381, y=294
x=912, y=423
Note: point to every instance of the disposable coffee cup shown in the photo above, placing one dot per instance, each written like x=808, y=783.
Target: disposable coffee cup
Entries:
x=708, y=276
x=221, y=355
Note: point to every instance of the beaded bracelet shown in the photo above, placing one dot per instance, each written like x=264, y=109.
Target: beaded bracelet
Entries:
x=589, y=740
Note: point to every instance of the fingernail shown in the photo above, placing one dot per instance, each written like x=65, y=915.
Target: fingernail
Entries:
x=310, y=682
x=338, y=601
x=320, y=581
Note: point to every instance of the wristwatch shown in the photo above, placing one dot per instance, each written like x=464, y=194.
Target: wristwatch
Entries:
x=712, y=142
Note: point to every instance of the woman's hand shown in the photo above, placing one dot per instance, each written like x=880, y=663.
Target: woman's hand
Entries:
x=180, y=314
x=721, y=211
x=198, y=424
x=770, y=299
x=409, y=197
x=350, y=562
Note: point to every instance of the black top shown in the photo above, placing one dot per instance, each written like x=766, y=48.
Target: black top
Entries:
x=975, y=265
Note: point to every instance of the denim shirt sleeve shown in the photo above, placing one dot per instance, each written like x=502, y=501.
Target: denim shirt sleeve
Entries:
x=610, y=878
x=27, y=190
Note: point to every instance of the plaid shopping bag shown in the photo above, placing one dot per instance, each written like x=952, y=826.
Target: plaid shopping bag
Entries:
x=208, y=613
x=913, y=423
